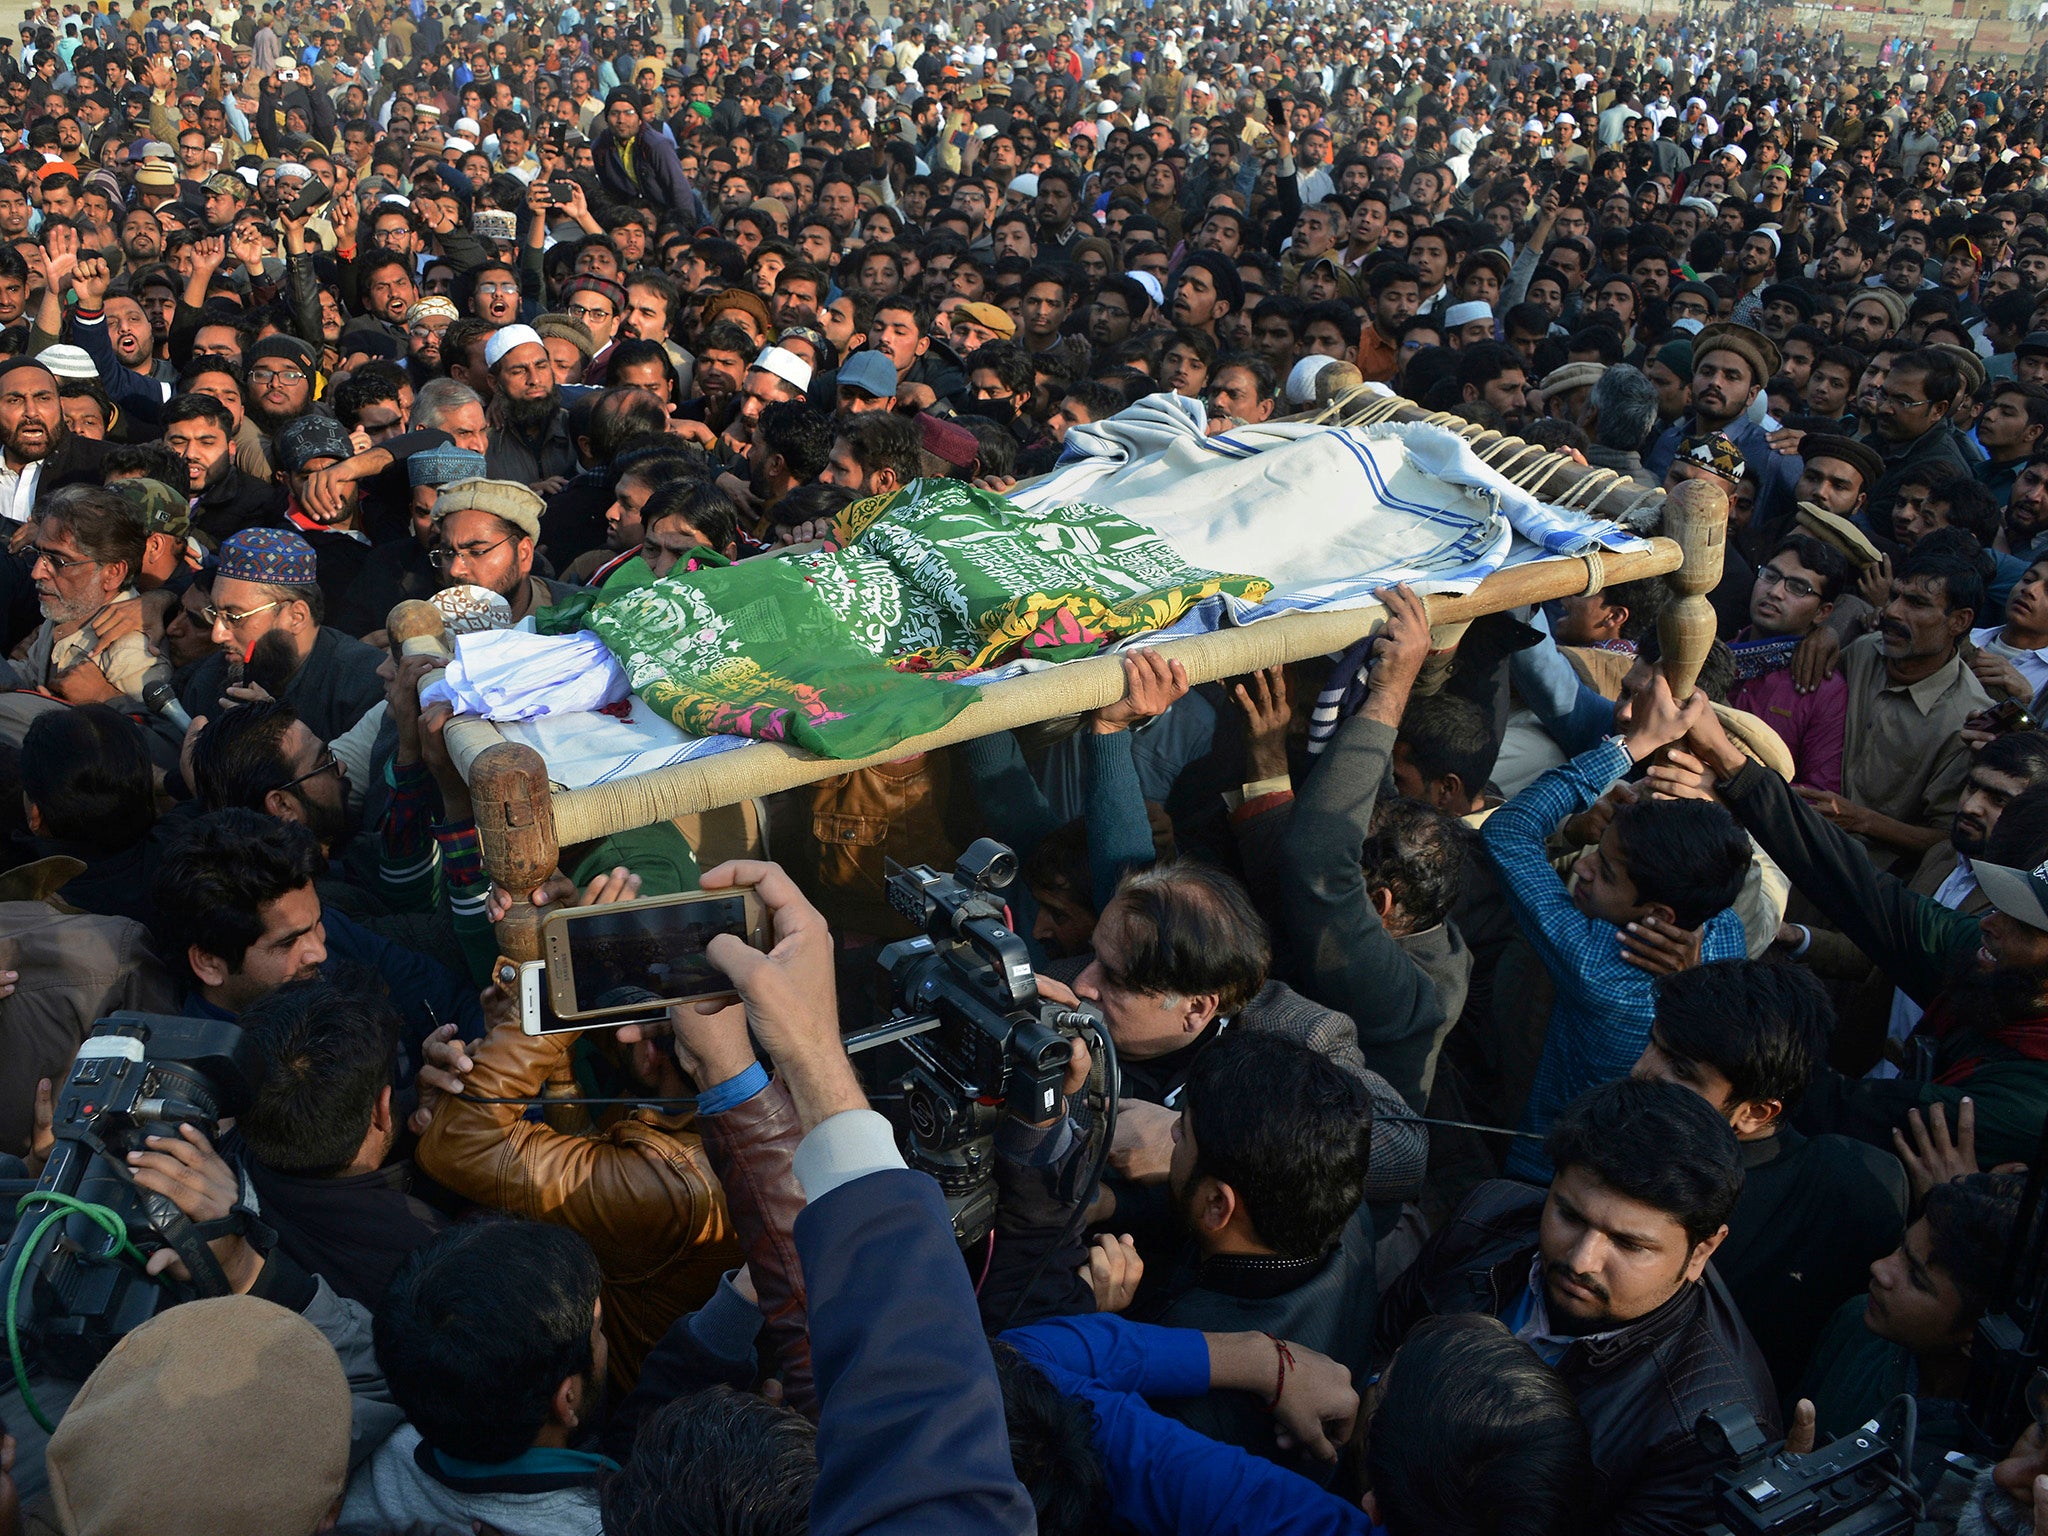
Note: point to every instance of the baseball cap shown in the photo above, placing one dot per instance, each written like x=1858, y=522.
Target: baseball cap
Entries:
x=870, y=371
x=309, y=437
x=2021, y=894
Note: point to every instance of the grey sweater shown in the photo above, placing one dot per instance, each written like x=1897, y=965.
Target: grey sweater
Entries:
x=1403, y=993
x=396, y=1491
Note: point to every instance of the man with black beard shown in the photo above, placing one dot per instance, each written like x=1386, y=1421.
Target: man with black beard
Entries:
x=1730, y=365
x=262, y=757
x=280, y=383
x=530, y=441
x=1982, y=978
x=37, y=454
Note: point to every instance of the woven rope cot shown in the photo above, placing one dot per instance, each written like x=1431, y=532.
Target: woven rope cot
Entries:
x=523, y=821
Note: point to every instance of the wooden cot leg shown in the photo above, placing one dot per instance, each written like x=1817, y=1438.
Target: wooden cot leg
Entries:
x=515, y=823
x=1696, y=517
x=416, y=628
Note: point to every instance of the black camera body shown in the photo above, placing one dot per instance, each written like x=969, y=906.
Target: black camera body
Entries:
x=137, y=1075
x=1855, y=1486
x=968, y=1038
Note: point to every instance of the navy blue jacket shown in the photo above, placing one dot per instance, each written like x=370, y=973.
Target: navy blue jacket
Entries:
x=911, y=1433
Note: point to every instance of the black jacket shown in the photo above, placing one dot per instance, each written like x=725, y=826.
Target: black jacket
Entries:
x=1936, y=448
x=657, y=175
x=1326, y=1303
x=334, y=687
x=1815, y=1214
x=354, y=1232
x=76, y=461
x=236, y=501
x=1640, y=1390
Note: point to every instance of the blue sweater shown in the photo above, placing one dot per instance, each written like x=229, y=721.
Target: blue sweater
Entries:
x=911, y=1433
x=1164, y=1478
x=1601, y=1019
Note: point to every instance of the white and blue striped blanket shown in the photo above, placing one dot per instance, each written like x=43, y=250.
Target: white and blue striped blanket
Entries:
x=1328, y=515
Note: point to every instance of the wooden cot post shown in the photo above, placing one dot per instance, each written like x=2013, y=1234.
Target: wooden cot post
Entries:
x=417, y=629
x=515, y=823
x=1696, y=517
x=508, y=785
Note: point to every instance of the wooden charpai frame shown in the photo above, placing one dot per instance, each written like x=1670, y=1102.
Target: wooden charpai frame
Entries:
x=523, y=822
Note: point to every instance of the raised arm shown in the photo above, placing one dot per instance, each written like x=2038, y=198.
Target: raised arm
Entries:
x=1912, y=938
x=1351, y=963
x=911, y=1434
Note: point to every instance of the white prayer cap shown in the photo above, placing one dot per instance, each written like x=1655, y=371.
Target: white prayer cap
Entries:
x=785, y=365
x=505, y=338
x=1467, y=312
x=1301, y=379
x=1150, y=284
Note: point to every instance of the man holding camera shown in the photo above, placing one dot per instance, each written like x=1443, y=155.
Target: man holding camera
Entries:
x=490, y=1339
x=1605, y=1276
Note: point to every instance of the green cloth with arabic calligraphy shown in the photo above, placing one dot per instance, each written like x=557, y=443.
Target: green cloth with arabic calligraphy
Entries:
x=826, y=650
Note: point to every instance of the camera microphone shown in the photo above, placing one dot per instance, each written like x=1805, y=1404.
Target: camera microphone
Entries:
x=158, y=696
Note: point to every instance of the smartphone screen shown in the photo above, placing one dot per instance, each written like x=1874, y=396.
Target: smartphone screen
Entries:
x=537, y=1014
x=658, y=949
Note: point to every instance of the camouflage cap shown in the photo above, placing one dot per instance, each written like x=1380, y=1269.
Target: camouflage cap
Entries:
x=164, y=509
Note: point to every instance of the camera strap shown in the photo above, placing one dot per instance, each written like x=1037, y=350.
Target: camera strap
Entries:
x=180, y=1234
x=188, y=1240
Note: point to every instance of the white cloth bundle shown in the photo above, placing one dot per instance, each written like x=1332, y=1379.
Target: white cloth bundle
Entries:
x=510, y=674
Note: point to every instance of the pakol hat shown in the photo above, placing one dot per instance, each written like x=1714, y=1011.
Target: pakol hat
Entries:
x=1753, y=347
x=506, y=500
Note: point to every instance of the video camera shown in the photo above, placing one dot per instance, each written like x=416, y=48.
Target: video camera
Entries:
x=1856, y=1486
x=968, y=1036
x=75, y=1286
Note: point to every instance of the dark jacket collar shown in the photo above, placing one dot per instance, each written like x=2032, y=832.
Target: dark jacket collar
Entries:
x=1781, y=1143
x=533, y=1472
x=1259, y=1276
x=1607, y=1351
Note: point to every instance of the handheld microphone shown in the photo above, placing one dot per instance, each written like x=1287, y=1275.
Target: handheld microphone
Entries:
x=159, y=697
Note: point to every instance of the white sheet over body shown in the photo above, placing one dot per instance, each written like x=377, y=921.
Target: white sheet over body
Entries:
x=1328, y=515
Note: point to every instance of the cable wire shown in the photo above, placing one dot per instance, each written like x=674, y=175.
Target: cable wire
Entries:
x=102, y=1216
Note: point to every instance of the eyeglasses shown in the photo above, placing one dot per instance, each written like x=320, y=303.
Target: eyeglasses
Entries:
x=444, y=559
x=426, y=330
x=591, y=311
x=1798, y=586
x=234, y=618
x=1900, y=402
x=328, y=763
x=58, y=564
x=497, y=288
x=263, y=378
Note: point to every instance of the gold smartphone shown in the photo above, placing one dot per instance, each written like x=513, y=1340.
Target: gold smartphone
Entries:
x=655, y=946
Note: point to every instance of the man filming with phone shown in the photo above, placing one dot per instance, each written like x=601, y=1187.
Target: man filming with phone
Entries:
x=638, y=1186
x=867, y=1263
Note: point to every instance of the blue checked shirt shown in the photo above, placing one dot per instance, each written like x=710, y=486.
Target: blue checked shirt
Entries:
x=1601, y=1019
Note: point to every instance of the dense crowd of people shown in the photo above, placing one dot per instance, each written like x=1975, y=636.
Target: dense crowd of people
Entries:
x=1514, y=1060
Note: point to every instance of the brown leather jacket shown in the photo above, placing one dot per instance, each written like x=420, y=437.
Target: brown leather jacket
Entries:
x=753, y=1147
x=640, y=1190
